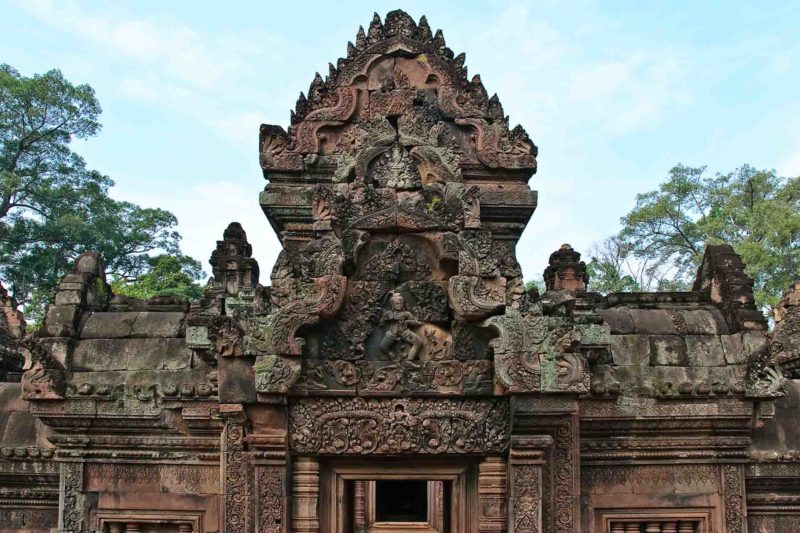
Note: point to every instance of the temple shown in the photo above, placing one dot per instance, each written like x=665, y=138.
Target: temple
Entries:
x=395, y=373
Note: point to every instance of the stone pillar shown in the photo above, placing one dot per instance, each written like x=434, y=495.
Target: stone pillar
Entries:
x=360, y=506
x=525, y=482
x=271, y=489
x=735, y=512
x=237, y=472
x=305, y=492
x=556, y=416
x=71, y=501
x=492, y=485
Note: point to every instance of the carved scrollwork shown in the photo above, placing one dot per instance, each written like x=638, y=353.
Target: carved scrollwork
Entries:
x=426, y=426
x=475, y=298
x=537, y=353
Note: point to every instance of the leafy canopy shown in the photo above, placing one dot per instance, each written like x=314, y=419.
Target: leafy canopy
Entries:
x=168, y=276
x=755, y=211
x=52, y=207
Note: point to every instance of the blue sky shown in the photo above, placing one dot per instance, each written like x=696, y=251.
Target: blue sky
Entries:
x=614, y=94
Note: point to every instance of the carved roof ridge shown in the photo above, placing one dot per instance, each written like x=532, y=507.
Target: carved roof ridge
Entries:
x=396, y=34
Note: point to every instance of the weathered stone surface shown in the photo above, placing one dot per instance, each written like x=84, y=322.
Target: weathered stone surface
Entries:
x=630, y=350
x=150, y=324
x=108, y=325
x=704, y=350
x=652, y=322
x=669, y=350
x=131, y=354
x=397, y=324
x=618, y=319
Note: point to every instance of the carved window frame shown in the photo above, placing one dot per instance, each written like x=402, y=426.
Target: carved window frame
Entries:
x=605, y=517
x=462, y=475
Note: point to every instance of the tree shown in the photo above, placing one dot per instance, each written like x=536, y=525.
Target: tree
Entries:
x=52, y=207
x=613, y=267
x=169, y=275
x=755, y=211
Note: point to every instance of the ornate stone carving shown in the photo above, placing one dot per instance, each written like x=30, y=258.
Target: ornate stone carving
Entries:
x=566, y=271
x=492, y=491
x=537, y=353
x=475, y=298
x=305, y=489
x=361, y=426
x=237, y=469
x=271, y=498
x=398, y=323
x=45, y=375
x=733, y=495
x=72, y=517
x=275, y=374
x=785, y=345
x=232, y=264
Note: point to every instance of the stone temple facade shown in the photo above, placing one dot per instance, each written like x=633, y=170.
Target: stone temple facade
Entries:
x=395, y=374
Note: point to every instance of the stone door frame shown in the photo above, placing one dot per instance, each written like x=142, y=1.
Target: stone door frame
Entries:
x=461, y=472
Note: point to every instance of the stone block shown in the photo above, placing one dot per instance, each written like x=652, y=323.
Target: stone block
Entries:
x=698, y=321
x=60, y=321
x=96, y=355
x=752, y=341
x=158, y=354
x=630, y=350
x=67, y=297
x=704, y=350
x=108, y=325
x=237, y=382
x=666, y=380
x=131, y=354
x=652, y=322
x=618, y=319
x=733, y=349
x=667, y=350
x=152, y=324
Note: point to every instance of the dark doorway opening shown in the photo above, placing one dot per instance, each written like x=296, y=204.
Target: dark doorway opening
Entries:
x=401, y=501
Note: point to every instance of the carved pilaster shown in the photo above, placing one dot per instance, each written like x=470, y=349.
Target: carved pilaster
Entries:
x=733, y=494
x=492, y=494
x=305, y=490
x=72, y=505
x=525, y=482
x=237, y=472
x=271, y=498
x=556, y=417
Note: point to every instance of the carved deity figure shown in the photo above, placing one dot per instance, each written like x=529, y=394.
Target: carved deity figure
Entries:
x=397, y=170
x=398, y=322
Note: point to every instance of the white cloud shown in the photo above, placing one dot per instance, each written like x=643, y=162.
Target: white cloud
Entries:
x=171, y=65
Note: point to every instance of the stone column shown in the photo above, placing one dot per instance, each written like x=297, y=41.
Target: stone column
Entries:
x=305, y=492
x=735, y=511
x=360, y=506
x=525, y=461
x=492, y=483
x=71, y=505
x=272, y=493
x=556, y=416
x=237, y=472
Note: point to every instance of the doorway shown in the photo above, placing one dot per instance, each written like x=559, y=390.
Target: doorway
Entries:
x=384, y=497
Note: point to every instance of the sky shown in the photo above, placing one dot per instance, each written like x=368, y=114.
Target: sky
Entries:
x=613, y=93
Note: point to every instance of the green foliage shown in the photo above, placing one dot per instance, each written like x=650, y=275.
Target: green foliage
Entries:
x=52, y=207
x=537, y=284
x=755, y=211
x=168, y=275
